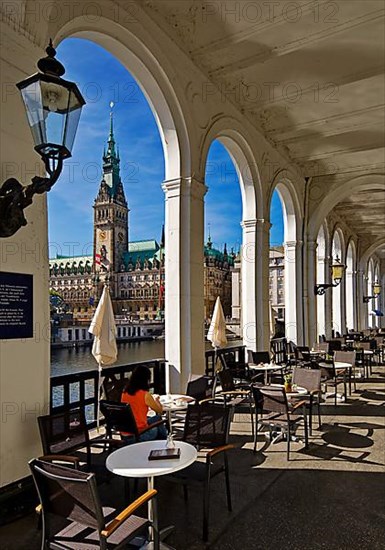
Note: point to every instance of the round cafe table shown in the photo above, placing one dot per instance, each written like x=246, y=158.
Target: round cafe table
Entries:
x=173, y=403
x=132, y=461
x=266, y=368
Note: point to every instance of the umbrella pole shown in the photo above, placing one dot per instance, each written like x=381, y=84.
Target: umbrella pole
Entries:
x=215, y=370
x=98, y=405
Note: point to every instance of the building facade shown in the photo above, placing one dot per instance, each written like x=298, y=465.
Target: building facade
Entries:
x=276, y=290
x=135, y=270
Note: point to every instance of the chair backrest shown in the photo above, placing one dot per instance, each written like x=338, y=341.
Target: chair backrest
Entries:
x=345, y=357
x=366, y=345
x=274, y=399
x=334, y=345
x=257, y=357
x=119, y=417
x=278, y=348
x=257, y=396
x=226, y=379
x=322, y=346
x=68, y=493
x=207, y=425
x=64, y=432
x=307, y=378
x=113, y=388
x=302, y=353
x=200, y=387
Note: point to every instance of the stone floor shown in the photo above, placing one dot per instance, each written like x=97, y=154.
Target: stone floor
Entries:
x=329, y=496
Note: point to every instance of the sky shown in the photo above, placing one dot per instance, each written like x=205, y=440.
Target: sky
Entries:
x=102, y=79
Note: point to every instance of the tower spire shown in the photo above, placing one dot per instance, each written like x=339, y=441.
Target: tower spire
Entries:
x=209, y=242
x=111, y=137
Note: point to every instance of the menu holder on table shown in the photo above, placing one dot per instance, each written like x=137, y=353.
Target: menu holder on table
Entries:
x=164, y=454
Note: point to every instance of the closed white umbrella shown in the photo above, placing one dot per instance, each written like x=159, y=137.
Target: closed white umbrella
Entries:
x=271, y=321
x=217, y=330
x=103, y=328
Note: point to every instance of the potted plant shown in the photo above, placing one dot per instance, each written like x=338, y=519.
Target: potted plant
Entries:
x=288, y=379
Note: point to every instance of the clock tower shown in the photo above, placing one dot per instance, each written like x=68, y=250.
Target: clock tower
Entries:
x=110, y=215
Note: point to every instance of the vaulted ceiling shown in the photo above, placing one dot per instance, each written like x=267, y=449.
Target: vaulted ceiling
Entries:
x=309, y=75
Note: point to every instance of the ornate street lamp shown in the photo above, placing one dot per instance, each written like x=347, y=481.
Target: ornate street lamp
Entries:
x=376, y=288
x=53, y=106
x=337, y=270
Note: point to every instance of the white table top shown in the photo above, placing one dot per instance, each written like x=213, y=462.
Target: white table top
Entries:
x=132, y=460
x=175, y=402
x=265, y=366
x=337, y=365
x=297, y=393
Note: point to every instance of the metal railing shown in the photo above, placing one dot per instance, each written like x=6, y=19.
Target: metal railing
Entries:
x=80, y=389
x=234, y=355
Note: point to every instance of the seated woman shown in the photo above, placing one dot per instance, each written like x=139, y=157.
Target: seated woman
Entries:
x=137, y=394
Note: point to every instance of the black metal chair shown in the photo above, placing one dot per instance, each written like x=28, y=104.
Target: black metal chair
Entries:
x=119, y=419
x=113, y=388
x=237, y=396
x=272, y=410
x=64, y=434
x=73, y=516
x=200, y=387
x=207, y=427
x=310, y=379
x=235, y=364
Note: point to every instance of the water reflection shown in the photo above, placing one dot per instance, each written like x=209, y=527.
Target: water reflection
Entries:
x=70, y=360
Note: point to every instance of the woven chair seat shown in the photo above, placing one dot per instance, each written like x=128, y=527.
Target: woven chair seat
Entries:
x=79, y=537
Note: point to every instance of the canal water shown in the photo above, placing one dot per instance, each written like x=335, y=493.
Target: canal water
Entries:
x=70, y=360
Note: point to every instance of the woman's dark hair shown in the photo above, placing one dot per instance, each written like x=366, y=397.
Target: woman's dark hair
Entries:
x=140, y=380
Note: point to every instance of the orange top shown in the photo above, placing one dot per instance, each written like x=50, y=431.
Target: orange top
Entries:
x=138, y=406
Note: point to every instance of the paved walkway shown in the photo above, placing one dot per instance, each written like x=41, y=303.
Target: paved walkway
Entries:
x=329, y=496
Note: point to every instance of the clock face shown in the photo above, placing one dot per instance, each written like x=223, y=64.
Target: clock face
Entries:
x=102, y=235
x=121, y=237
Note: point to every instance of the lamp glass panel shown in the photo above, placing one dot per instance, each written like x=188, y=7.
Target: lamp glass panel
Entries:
x=33, y=103
x=53, y=111
x=73, y=117
x=376, y=289
x=337, y=272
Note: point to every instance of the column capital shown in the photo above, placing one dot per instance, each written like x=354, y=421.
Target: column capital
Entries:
x=258, y=223
x=184, y=186
x=292, y=244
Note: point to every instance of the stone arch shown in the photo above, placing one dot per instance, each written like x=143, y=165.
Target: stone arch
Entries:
x=337, y=249
x=291, y=205
x=350, y=285
x=283, y=183
x=370, y=251
x=156, y=85
x=230, y=133
x=322, y=277
x=236, y=141
x=337, y=193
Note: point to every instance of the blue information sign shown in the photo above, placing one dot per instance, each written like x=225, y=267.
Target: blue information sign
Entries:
x=16, y=305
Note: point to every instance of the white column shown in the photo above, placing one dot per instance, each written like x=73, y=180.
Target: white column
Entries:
x=293, y=292
x=350, y=299
x=309, y=298
x=322, y=324
x=249, y=284
x=184, y=294
x=255, y=284
x=361, y=306
x=328, y=301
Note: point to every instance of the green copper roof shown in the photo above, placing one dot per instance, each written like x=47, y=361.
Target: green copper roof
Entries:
x=135, y=246
x=64, y=260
